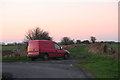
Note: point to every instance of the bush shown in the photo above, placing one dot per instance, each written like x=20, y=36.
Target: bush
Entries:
x=67, y=41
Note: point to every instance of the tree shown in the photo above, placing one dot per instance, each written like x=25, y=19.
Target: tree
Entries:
x=66, y=41
x=37, y=34
x=86, y=42
x=71, y=42
x=78, y=41
x=93, y=39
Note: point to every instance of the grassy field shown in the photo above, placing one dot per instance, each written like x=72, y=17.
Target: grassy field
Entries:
x=20, y=47
x=100, y=65
x=10, y=59
x=78, y=51
x=114, y=46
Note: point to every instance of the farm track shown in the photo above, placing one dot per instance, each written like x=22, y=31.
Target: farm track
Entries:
x=45, y=69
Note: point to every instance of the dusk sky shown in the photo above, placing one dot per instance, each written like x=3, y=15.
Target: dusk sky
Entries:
x=77, y=19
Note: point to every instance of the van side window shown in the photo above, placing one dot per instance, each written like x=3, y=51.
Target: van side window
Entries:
x=57, y=46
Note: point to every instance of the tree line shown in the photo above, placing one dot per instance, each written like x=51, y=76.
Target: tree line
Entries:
x=39, y=34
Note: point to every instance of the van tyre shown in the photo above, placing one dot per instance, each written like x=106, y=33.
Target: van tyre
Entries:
x=66, y=56
x=45, y=57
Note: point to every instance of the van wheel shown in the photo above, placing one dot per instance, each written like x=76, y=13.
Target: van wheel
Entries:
x=45, y=57
x=66, y=56
x=33, y=59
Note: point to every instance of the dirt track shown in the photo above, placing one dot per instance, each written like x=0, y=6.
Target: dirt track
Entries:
x=45, y=69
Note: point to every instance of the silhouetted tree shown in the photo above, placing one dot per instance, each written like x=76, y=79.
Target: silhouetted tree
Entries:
x=71, y=42
x=37, y=34
x=66, y=41
x=101, y=42
x=93, y=39
x=78, y=41
x=86, y=41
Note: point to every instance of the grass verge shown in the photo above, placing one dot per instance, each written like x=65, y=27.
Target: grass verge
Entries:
x=100, y=65
x=13, y=59
x=79, y=51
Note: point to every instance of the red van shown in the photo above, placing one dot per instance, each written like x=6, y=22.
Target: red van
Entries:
x=45, y=49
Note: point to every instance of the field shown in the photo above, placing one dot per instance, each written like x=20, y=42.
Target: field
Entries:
x=114, y=46
x=13, y=47
x=101, y=65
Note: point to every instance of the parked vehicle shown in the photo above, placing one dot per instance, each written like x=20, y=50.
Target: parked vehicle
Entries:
x=46, y=49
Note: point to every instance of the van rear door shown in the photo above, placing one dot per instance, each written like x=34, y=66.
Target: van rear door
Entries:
x=33, y=48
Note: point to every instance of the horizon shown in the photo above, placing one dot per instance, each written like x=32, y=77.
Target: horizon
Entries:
x=77, y=19
x=59, y=41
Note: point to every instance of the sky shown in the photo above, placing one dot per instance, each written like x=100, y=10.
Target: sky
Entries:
x=77, y=19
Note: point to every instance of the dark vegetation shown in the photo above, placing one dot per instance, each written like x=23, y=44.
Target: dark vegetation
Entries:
x=67, y=41
x=93, y=39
